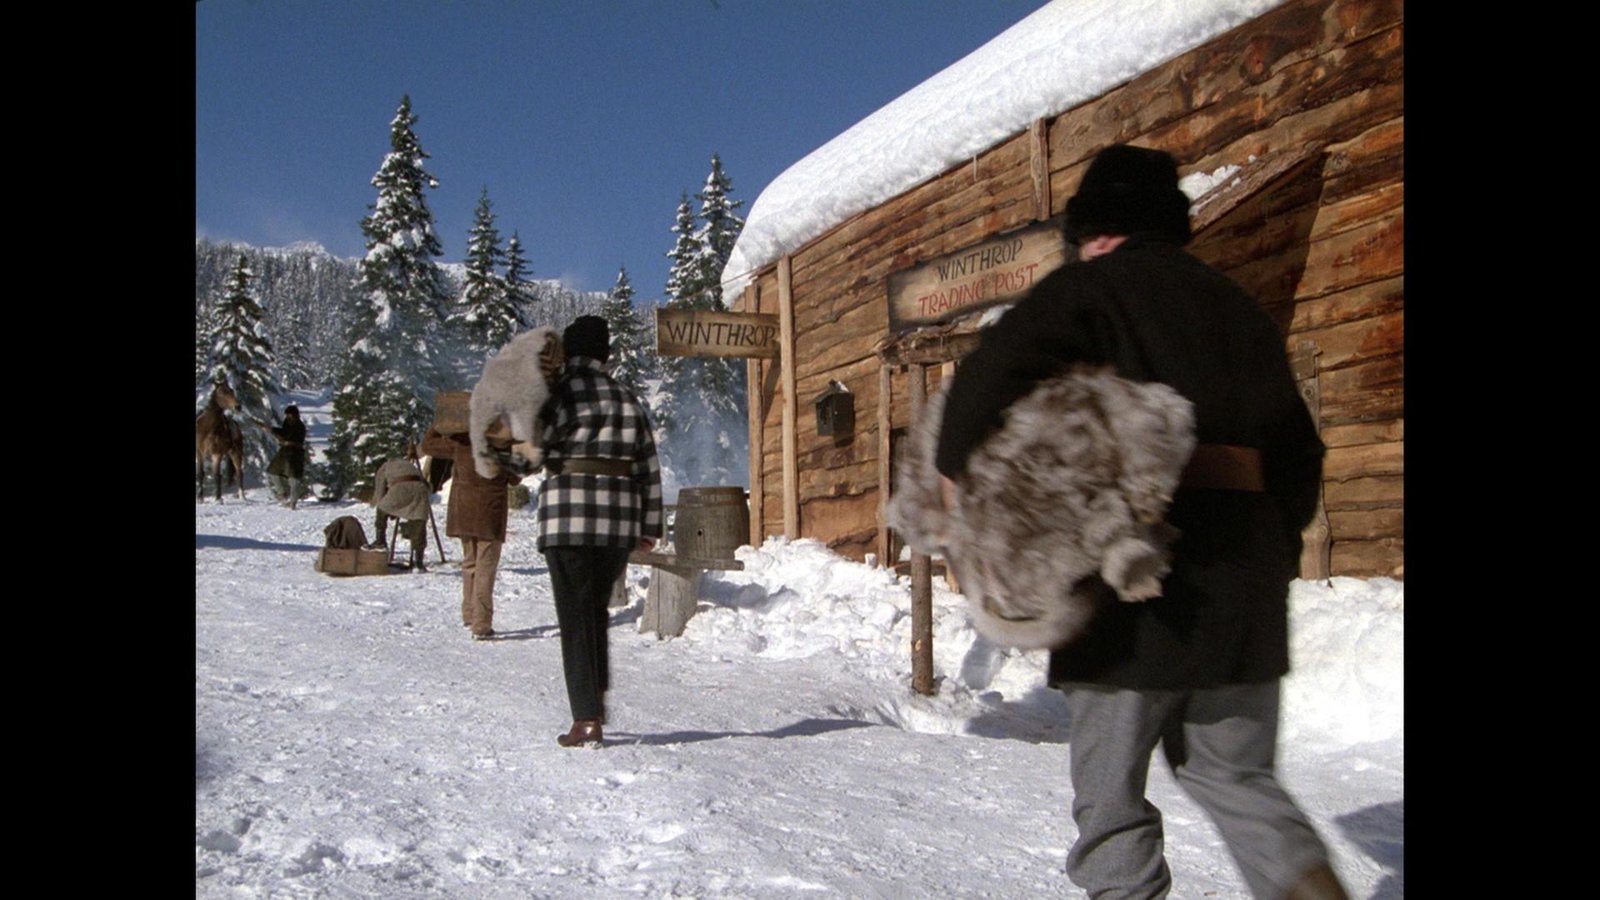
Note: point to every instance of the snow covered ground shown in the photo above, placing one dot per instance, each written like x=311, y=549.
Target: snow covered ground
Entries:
x=352, y=741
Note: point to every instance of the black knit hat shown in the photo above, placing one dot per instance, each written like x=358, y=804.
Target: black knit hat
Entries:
x=1129, y=190
x=292, y=410
x=587, y=336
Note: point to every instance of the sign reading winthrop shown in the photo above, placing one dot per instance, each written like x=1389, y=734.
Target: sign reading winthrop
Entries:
x=983, y=275
x=702, y=332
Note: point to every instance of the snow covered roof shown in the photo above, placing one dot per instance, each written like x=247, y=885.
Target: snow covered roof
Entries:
x=1065, y=53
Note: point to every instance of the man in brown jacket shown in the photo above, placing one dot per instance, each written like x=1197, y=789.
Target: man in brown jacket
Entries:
x=477, y=515
x=399, y=491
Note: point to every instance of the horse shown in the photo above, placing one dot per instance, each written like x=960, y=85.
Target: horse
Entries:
x=218, y=439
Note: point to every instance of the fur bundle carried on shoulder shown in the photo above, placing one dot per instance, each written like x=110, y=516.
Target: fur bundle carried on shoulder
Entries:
x=1074, y=484
x=516, y=382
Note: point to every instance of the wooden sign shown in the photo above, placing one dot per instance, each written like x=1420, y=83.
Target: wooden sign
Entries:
x=996, y=271
x=702, y=332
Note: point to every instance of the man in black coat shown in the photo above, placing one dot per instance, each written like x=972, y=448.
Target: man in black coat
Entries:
x=288, y=466
x=1196, y=669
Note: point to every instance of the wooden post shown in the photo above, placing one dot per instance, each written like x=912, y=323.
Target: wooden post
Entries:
x=1039, y=167
x=754, y=396
x=670, y=602
x=921, y=574
x=786, y=358
x=1316, y=554
x=885, y=469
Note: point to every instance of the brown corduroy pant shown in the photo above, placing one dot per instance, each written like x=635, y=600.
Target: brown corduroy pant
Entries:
x=479, y=560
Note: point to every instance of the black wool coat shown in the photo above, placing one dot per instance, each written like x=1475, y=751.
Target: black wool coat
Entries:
x=290, y=460
x=1156, y=313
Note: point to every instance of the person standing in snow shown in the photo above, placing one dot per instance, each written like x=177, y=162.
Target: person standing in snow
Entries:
x=1197, y=669
x=476, y=514
x=399, y=490
x=288, y=466
x=601, y=500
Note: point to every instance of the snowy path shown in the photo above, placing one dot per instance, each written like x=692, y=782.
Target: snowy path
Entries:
x=352, y=741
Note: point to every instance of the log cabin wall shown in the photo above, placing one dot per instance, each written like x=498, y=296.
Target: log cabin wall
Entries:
x=1322, y=248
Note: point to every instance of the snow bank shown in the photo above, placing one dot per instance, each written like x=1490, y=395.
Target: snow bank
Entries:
x=798, y=600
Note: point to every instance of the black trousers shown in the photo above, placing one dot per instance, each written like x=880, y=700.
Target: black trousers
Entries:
x=582, y=578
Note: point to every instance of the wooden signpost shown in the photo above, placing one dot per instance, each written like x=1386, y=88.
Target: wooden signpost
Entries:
x=675, y=579
x=705, y=333
x=998, y=270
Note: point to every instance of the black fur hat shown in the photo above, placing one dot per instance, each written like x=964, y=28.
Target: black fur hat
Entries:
x=1129, y=190
x=587, y=336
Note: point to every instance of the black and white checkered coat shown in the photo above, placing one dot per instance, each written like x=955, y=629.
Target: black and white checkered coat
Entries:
x=590, y=416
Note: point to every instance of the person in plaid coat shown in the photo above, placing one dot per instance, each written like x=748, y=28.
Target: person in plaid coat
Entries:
x=601, y=500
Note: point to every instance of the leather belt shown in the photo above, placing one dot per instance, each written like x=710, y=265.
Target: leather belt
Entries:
x=1224, y=467
x=620, y=468
x=404, y=478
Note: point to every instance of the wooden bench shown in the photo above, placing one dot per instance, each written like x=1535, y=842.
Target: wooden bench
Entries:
x=674, y=589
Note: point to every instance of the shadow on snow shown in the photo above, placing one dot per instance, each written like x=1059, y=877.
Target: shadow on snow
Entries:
x=802, y=728
x=221, y=542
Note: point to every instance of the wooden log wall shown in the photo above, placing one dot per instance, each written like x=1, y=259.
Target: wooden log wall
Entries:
x=1323, y=249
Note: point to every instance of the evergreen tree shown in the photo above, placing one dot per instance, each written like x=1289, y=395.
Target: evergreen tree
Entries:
x=519, y=292
x=632, y=356
x=205, y=328
x=389, y=374
x=683, y=278
x=719, y=231
x=485, y=311
x=722, y=380
x=294, y=356
x=242, y=357
x=700, y=411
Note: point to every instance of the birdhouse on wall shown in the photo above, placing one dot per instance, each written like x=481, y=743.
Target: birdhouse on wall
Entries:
x=836, y=410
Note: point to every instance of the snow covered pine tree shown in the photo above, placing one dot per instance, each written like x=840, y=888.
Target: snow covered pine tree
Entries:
x=242, y=357
x=387, y=379
x=701, y=407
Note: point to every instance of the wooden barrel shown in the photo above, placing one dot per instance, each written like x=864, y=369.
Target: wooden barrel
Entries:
x=712, y=522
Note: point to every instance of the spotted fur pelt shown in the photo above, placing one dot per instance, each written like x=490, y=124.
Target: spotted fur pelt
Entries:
x=1074, y=484
x=515, y=383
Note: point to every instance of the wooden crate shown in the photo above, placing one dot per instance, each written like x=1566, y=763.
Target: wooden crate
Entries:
x=335, y=561
x=450, y=414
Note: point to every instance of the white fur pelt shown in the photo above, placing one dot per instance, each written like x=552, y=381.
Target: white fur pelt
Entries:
x=513, y=385
x=1075, y=483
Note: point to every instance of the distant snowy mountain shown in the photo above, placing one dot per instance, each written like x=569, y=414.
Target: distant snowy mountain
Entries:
x=305, y=247
x=304, y=283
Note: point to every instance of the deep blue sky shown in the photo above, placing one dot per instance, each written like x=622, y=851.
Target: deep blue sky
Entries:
x=585, y=119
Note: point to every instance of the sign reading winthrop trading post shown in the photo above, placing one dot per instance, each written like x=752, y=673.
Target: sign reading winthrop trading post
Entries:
x=995, y=271
x=701, y=332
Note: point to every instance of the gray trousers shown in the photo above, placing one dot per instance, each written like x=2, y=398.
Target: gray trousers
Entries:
x=285, y=488
x=1221, y=744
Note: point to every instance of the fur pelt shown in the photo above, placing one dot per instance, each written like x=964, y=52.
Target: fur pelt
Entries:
x=515, y=383
x=1074, y=484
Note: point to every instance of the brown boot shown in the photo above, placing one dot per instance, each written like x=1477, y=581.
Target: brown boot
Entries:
x=584, y=733
x=1317, y=883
